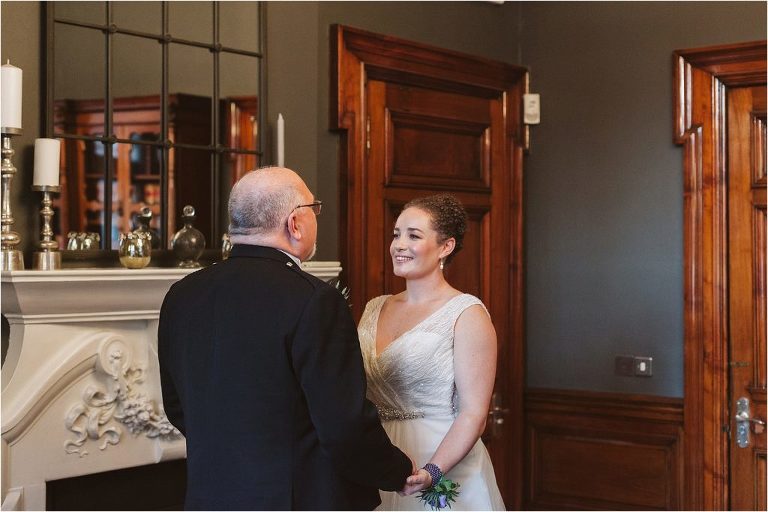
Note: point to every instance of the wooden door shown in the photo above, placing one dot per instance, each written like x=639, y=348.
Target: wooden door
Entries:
x=747, y=297
x=720, y=119
x=419, y=121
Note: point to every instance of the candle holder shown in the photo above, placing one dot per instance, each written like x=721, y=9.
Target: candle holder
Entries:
x=10, y=257
x=49, y=258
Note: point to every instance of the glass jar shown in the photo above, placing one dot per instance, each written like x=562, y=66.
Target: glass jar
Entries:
x=143, y=220
x=188, y=242
x=135, y=249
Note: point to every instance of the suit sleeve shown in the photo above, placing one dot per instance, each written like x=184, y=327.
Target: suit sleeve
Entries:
x=167, y=360
x=328, y=363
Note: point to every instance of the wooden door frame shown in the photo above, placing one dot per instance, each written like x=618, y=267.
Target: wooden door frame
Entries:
x=357, y=55
x=701, y=79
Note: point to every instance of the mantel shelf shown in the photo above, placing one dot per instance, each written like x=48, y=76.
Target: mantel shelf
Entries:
x=90, y=294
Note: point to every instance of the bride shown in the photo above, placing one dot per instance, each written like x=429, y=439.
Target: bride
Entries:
x=430, y=361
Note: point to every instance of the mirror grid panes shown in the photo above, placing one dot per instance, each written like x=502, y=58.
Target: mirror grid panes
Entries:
x=137, y=69
x=83, y=12
x=79, y=81
x=192, y=21
x=147, y=19
x=237, y=23
x=157, y=107
x=238, y=75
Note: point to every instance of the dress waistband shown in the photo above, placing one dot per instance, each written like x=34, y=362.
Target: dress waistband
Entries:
x=388, y=414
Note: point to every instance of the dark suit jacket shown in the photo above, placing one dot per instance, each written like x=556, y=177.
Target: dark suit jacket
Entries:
x=261, y=370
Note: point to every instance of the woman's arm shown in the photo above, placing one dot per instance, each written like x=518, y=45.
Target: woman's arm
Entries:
x=474, y=360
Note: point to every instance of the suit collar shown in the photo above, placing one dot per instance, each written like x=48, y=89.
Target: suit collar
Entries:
x=260, y=251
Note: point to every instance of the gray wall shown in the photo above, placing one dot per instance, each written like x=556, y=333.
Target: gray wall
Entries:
x=603, y=178
x=604, y=196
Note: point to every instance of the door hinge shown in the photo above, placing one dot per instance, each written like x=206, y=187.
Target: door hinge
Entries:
x=368, y=133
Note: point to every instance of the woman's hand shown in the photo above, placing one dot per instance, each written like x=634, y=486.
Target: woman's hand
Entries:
x=418, y=481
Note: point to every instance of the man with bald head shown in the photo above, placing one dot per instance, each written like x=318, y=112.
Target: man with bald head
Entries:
x=261, y=369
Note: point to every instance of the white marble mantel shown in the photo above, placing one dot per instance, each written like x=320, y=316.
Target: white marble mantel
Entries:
x=80, y=382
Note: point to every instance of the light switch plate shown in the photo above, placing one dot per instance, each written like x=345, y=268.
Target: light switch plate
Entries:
x=643, y=366
x=531, y=109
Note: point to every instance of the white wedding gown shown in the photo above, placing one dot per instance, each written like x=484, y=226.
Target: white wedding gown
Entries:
x=412, y=384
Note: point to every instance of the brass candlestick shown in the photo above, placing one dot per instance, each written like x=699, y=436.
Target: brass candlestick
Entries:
x=10, y=257
x=49, y=258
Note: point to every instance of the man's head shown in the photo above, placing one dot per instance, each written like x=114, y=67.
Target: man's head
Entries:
x=263, y=210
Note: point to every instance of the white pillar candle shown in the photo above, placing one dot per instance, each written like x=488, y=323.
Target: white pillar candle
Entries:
x=47, y=153
x=280, y=140
x=10, y=110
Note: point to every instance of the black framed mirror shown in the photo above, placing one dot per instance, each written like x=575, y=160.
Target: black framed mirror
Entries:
x=158, y=105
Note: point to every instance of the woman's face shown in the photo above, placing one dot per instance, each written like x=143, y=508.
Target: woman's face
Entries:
x=415, y=249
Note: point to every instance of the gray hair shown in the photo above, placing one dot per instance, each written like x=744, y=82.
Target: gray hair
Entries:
x=259, y=204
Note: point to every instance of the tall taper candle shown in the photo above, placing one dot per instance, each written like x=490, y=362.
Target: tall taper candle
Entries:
x=10, y=111
x=280, y=140
x=46, y=162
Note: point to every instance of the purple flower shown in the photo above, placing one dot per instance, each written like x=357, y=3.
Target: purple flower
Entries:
x=443, y=501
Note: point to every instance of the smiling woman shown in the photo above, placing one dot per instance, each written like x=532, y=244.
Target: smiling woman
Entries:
x=430, y=359
x=157, y=107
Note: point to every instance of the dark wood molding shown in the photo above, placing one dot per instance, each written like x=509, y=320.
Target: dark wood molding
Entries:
x=605, y=405
x=602, y=451
x=701, y=79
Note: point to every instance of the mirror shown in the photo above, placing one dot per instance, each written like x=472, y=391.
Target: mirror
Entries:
x=157, y=107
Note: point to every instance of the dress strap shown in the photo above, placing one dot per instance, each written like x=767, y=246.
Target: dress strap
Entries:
x=461, y=302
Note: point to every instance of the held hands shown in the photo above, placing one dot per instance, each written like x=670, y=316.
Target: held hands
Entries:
x=418, y=481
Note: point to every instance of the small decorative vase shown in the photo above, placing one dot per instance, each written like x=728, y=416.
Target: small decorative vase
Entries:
x=188, y=243
x=226, y=246
x=72, y=242
x=135, y=249
x=143, y=219
x=82, y=241
x=90, y=241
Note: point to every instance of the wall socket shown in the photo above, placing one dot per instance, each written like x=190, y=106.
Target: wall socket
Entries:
x=634, y=366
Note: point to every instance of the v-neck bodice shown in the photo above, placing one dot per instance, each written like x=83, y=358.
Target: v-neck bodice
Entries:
x=413, y=376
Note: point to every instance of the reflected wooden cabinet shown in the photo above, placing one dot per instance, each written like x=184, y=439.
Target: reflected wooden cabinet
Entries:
x=137, y=178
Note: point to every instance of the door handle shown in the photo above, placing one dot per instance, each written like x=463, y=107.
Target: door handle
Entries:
x=743, y=420
x=496, y=415
x=744, y=417
x=497, y=412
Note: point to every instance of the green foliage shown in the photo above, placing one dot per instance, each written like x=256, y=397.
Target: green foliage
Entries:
x=440, y=495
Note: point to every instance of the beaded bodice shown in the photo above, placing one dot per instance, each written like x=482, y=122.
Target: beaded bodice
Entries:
x=413, y=376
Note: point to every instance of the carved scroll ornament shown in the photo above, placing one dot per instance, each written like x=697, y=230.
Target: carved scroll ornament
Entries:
x=119, y=399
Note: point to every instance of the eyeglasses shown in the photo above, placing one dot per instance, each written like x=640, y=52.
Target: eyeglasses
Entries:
x=316, y=206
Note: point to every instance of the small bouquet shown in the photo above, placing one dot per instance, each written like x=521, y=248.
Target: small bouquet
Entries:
x=441, y=494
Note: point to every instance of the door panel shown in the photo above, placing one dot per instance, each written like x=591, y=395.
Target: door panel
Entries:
x=747, y=294
x=436, y=138
x=432, y=150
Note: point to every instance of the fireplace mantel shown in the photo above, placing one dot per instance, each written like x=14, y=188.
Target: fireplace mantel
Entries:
x=80, y=382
